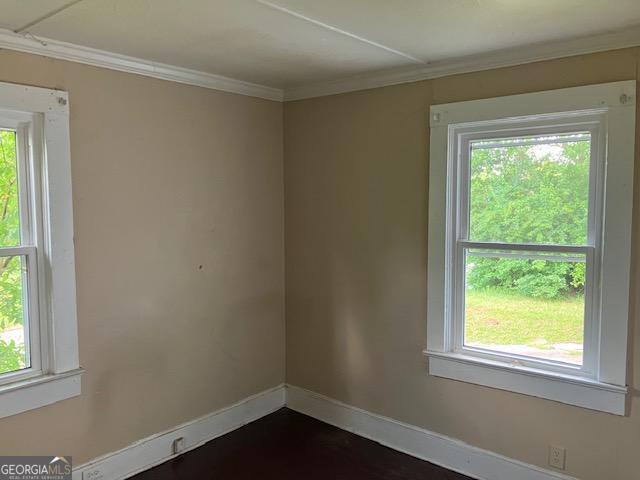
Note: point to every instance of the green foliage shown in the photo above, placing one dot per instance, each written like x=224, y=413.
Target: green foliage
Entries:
x=11, y=356
x=10, y=292
x=577, y=277
x=9, y=209
x=533, y=278
x=10, y=267
x=529, y=194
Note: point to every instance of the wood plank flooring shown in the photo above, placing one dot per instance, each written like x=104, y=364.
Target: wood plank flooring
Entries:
x=287, y=445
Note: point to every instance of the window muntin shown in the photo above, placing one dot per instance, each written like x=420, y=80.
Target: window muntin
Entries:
x=525, y=243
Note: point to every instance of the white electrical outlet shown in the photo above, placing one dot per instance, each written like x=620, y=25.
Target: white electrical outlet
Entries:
x=557, y=457
x=178, y=445
x=94, y=474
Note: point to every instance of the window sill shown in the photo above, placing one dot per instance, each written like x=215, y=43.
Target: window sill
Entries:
x=572, y=390
x=20, y=396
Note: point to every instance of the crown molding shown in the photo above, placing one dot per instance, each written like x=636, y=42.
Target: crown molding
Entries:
x=125, y=63
x=504, y=58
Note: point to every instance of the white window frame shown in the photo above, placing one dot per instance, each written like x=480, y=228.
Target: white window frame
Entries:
x=40, y=118
x=607, y=111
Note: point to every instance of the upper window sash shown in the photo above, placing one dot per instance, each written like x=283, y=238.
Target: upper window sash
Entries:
x=461, y=136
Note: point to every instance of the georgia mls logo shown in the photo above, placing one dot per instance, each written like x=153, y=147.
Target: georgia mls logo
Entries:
x=35, y=468
x=59, y=464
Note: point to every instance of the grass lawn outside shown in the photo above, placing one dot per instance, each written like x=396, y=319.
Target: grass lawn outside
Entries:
x=538, y=327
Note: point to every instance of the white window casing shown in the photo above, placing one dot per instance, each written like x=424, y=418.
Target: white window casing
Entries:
x=41, y=119
x=607, y=112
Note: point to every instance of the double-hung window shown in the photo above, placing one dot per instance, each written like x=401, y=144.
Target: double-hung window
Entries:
x=38, y=331
x=19, y=305
x=529, y=243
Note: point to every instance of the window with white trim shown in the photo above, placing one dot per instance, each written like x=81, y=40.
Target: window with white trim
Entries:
x=38, y=327
x=529, y=243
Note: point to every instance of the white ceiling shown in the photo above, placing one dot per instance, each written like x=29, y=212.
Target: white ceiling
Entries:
x=292, y=43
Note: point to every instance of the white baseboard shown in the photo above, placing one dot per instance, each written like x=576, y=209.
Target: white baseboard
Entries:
x=417, y=442
x=157, y=448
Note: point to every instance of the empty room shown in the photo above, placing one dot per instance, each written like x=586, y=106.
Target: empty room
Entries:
x=319, y=239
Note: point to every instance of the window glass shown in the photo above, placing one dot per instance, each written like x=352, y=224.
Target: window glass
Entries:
x=525, y=303
x=530, y=190
x=9, y=204
x=13, y=330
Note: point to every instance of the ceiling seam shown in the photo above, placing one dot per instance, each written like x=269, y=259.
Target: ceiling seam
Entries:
x=46, y=16
x=340, y=31
x=627, y=38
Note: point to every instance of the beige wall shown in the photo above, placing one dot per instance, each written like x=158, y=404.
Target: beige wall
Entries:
x=178, y=210
x=168, y=178
x=356, y=176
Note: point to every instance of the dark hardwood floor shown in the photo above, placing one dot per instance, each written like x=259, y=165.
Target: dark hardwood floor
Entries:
x=287, y=445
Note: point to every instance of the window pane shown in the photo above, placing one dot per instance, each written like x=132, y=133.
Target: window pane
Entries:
x=13, y=351
x=531, y=306
x=530, y=189
x=9, y=205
